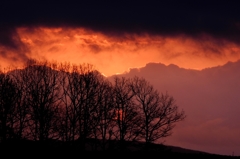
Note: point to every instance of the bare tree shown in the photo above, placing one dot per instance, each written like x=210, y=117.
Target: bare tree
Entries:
x=127, y=118
x=76, y=103
x=158, y=111
x=42, y=97
x=19, y=115
x=81, y=86
x=103, y=116
x=71, y=87
x=8, y=99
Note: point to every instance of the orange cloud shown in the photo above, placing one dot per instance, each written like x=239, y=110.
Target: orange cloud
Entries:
x=113, y=54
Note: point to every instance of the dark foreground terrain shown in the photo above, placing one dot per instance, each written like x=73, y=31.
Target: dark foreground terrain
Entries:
x=56, y=149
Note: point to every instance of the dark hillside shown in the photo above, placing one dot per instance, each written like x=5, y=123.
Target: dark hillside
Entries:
x=60, y=149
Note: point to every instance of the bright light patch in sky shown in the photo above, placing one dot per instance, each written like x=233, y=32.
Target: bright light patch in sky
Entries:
x=113, y=54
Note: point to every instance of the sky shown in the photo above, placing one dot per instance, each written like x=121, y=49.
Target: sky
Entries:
x=117, y=36
x=210, y=100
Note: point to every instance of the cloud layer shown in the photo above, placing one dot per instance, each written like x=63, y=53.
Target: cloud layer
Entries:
x=219, y=19
x=190, y=34
x=112, y=54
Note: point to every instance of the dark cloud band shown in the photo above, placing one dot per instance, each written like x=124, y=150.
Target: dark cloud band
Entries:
x=220, y=19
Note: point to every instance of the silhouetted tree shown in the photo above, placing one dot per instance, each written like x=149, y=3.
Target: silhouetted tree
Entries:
x=8, y=99
x=90, y=90
x=75, y=103
x=19, y=115
x=71, y=86
x=80, y=96
x=103, y=117
x=158, y=111
x=42, y=97
x=127, y=119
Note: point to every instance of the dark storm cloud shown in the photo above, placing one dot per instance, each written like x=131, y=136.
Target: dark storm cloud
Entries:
x=8, y=37
x=9, y=40
x=220, y=19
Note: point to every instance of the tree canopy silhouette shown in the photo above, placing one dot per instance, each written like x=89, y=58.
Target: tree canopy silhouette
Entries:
x=75, y=103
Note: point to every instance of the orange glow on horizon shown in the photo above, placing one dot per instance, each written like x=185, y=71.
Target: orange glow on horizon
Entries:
x=112, y=54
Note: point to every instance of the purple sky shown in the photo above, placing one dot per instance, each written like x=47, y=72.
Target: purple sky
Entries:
x=210, y=99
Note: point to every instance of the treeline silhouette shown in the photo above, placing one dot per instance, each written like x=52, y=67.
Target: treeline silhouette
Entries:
x=75, y=105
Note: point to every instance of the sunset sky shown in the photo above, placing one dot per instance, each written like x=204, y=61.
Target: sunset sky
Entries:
x=117, y=36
